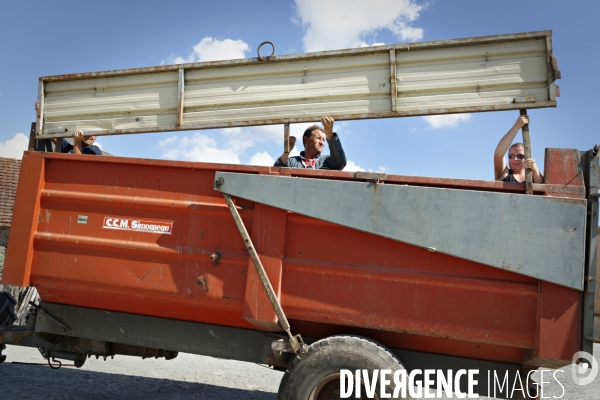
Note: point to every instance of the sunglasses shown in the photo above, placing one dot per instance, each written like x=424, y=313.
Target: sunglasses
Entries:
x=518, y=156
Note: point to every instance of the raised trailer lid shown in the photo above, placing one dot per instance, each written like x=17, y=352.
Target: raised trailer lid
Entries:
x=489, y=73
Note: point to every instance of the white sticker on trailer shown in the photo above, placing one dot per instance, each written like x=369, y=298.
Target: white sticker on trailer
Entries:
x=138, y=225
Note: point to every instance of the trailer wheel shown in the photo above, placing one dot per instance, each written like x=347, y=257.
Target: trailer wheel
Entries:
x=7, y=315
x=316, y=375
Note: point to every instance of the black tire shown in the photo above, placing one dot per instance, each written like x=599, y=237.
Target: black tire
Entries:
x=7, y=309
x=315, y=375
x=7, y=315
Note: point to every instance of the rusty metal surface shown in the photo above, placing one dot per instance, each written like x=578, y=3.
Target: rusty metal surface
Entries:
x=393, y=81
x=180, y=94
x=332, y=279
x=39, y=116
x=375, y=82
x=527, y=145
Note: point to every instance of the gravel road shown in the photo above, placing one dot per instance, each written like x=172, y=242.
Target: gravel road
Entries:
x=25, y=375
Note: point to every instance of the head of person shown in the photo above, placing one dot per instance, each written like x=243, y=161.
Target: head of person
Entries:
x=313, y=140
x=88, y=140
x=516, y=157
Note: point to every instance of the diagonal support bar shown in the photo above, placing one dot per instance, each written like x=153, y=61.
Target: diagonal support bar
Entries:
x=296, y=341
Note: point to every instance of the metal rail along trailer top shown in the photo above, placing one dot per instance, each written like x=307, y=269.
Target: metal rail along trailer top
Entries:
x=150, y=257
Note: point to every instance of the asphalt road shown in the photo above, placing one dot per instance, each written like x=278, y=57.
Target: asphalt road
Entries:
x=26, y=375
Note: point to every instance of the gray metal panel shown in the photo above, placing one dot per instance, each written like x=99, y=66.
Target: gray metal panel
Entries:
x=541, y=237
x=463, y=75
x=590, y=331
x=159, y=333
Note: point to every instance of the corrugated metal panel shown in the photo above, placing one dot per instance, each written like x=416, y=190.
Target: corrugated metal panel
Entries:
x=463, y=75
x=356, y=84
x=110, y=104
x=473, y=75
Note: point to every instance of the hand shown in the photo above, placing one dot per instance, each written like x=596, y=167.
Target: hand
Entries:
x=328, y=126
x=291, y=143
x=522, y=121
x=37, y=106
x=78, y=137
x=530, y=163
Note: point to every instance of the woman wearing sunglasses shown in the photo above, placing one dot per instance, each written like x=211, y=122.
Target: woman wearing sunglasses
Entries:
x=514, y=172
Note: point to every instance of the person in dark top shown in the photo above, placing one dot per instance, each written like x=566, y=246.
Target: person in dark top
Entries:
x=515, y=171
x=314, y=143
x=81, y=144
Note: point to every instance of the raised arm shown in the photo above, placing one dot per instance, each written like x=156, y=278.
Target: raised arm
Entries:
x=500, y=168
x=337, y=157
x=535, y=172
x=283, y=159
x=77, y=140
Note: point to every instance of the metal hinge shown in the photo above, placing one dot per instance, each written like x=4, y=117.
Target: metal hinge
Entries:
x=377, y=177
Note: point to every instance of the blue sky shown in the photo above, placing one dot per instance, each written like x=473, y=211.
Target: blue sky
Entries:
x=52, y=38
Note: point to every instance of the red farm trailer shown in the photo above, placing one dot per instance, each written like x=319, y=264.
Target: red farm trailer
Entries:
x=310, y=272
x=144, y=257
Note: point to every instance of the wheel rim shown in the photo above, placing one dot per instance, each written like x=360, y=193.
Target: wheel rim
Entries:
x=329, y=389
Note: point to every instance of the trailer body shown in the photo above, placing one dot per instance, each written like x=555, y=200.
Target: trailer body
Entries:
x=154, y=238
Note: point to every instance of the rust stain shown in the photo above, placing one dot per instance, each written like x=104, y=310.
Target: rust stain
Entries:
x=567, y=200
x=393, y=82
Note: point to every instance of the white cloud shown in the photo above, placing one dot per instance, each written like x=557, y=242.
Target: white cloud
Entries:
x=351, y=166
x=209, y=49
x=446, y=121
x=14, y=148
x=337, y=24
x=199, y=147
x=262, y=158
x=229, y=145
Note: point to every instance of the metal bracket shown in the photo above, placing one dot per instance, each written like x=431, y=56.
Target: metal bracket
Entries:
x=528, y=99
x=49, y=316
x=376, y=177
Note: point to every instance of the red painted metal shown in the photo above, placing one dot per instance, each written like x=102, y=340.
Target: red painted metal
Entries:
x=330, y=279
